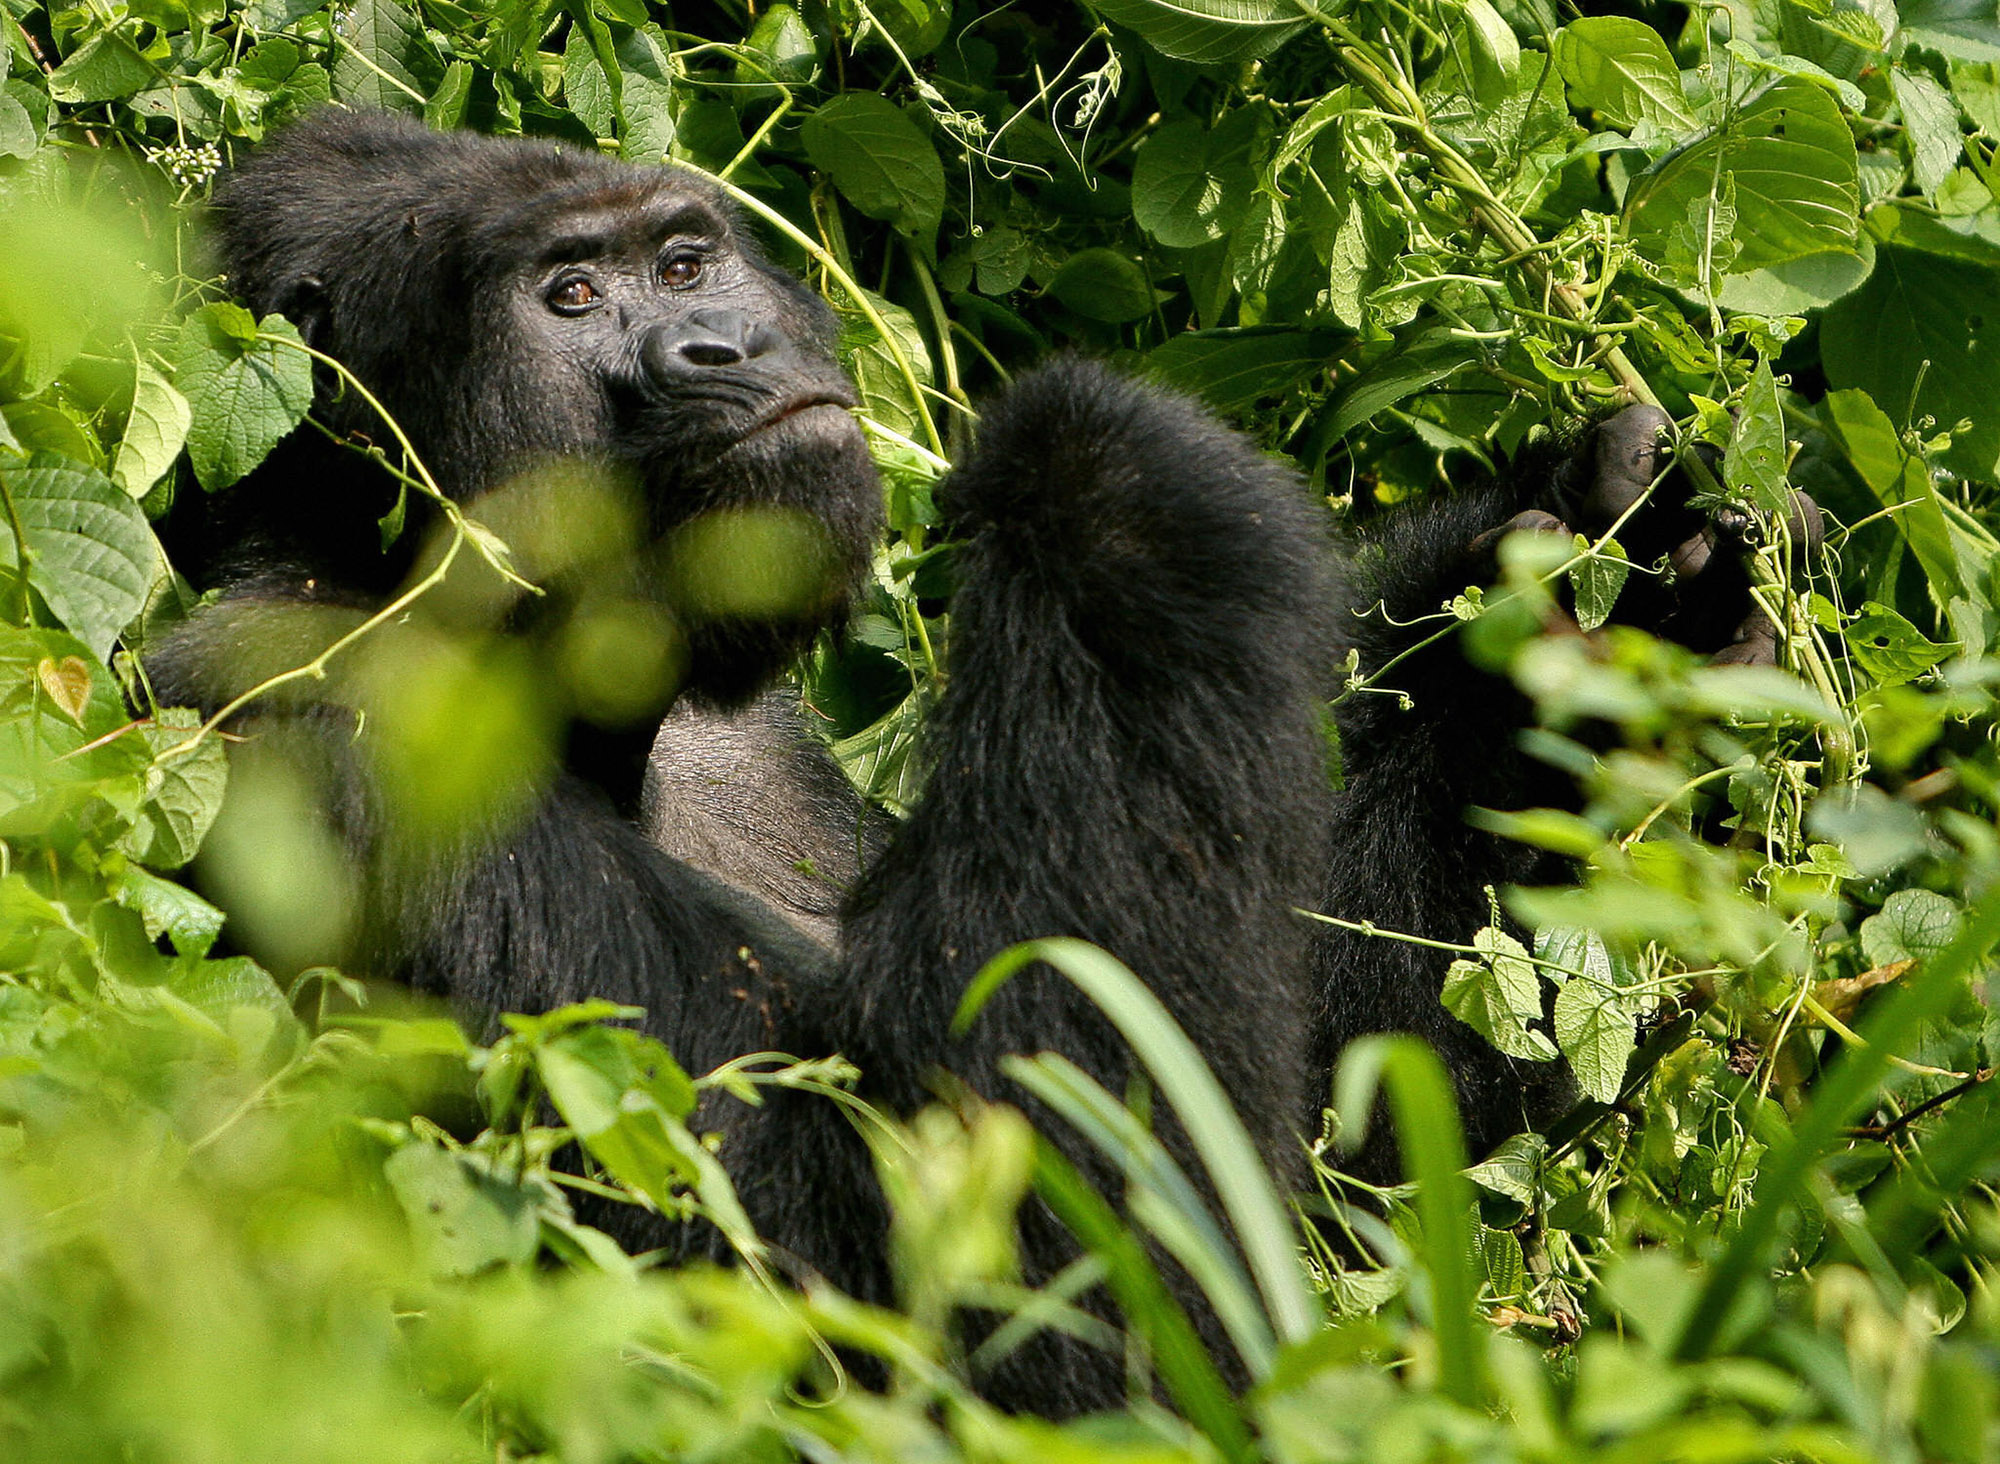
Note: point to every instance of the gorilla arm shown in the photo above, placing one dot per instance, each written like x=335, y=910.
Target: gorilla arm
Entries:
x=557, y=899
x=1128, y=749
x=1402, y=854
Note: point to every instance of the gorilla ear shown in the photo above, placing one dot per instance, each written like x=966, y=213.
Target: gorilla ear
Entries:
x=305, y=303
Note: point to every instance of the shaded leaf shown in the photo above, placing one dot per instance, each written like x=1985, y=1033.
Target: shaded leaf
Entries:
x=1207, y=30
x=92, y=554
x=878, y=160
x=1789, y=156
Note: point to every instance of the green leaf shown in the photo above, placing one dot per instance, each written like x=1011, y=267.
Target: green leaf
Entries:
x=93, y=556
x=1754, y=465
x=1889, y=648
x=445, y=111
x=1790, y=158
x=1620, y=68
x=105, y=68
x=1913, y=925
x=1512, y=1170
x=1595, y=1032
x=183, y=795
x=1211, y=1124
x=881, y=758
x=1924, y=312
x=17, y=129
x=1899, y=480
x=1420, y=362
x=1581, y=951
x=1496, y=51
x=1190, y=186
x=885, y=389
x=227, y=989
x=1207, y=30
x=1299, y=137
x=1930, y=126
x=1433, y=1150
x=1103, y=284
x=387, y=63
x=464, y=1218
x=879, y=161
x=644, y=94
x=1235, y=369
x=1799, y=285
x=585, y=89
x=1596, y=580
x=1498, y=995
x=1968, y=30
x=625, y=1097
x=155, y=431
x=170, y=909
x=779, y=48
x=243, y=396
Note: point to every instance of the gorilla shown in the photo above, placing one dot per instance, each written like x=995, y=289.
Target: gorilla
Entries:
x=1149, y=623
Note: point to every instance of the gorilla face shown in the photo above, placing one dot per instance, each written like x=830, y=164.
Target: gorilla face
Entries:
x=514, y=304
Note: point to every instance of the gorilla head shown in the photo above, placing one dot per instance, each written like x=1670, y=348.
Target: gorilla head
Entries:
x=518, y=304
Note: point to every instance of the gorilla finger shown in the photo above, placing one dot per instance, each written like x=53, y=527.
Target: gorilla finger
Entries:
x=1755, y=643
x=1806, y=524
x=1692, y=555
x=1632, y=452
x=1532, y=521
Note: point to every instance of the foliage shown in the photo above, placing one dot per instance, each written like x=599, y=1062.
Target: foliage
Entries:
x=1393, y=240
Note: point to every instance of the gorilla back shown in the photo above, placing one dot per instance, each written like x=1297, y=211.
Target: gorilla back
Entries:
x=1128, y=749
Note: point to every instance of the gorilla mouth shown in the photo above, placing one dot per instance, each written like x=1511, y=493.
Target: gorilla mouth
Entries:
x=785, y=411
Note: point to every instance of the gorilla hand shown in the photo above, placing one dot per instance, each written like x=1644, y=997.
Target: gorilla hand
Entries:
x=1701, y=594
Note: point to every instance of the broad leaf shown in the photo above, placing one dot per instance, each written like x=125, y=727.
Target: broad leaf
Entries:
x=155, y=431
x=879, y=161
x=1234, y=369
x=103, y=69
x=92, y=554
x=388, y=64
x=1596, y=580
x=1207, y=30
x=1899, y=480
x=1912, y=925
x=1924, y=314
x=1190, y=186
x=1595, y=1032
x=1103, y=285
x=244, y=393
x=1966, y=29
x=1889, y=647
x=1620, y=69
x=1754, y=465
x=1790, y=158
x=1498, y=995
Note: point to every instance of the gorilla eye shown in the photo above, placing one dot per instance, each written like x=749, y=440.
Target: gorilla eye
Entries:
x=678, y=271
x=573, y=296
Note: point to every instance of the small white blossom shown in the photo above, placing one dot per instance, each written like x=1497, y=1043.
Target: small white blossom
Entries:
x=189, y=166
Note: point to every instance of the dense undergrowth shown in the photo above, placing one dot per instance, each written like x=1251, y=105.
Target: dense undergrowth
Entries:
x=1395, y=240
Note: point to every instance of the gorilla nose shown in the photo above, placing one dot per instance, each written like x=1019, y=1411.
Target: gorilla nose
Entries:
x=676, y=351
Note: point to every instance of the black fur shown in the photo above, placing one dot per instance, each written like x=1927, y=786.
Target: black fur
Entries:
x=1129, y=748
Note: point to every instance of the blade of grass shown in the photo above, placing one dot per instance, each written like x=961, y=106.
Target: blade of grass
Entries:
x=1162, y=1197
x=1263, y=1227
x=1433, y=1149
x=1183, y=1363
